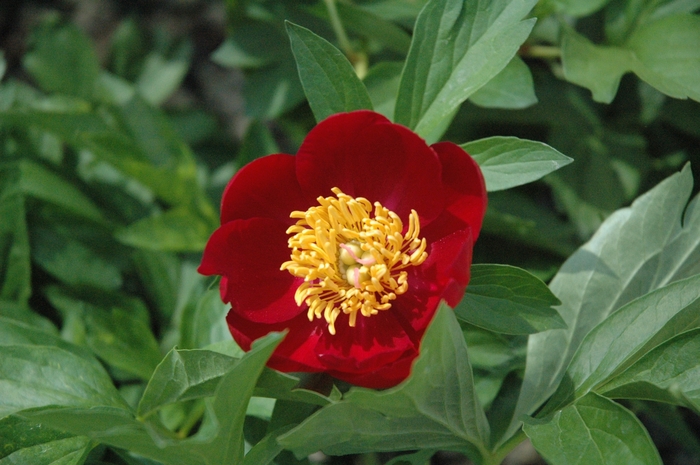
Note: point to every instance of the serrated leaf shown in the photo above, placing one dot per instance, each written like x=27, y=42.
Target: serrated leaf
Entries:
x=594, y=431
x=436, y=407
x=66, y=379
x=509, y=300
x=512, y=88
x=457, y=48
x=668, y=373
x=328, y=78
x=635, y=251
x=508, y=161
x=670, y=65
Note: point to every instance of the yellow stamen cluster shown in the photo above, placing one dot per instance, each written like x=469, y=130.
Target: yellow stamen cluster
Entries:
x=351, y=262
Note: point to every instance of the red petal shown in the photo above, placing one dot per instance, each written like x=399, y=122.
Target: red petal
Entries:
x=448, y=265
x=464, y=185
x=375, y=341
x=248, y=253
x=366, y=155
x=384, y=377
x=266, y=187
x=295, y=352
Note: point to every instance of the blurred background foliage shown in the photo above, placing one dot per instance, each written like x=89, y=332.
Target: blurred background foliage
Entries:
x=121, y=121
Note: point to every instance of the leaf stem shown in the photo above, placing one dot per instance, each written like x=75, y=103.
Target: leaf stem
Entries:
x=358, y=60
x=194, y=416
x=338, y=27
x=546, y=52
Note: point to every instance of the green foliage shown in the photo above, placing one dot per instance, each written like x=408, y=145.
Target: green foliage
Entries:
x=329, y=80
x=584, y=290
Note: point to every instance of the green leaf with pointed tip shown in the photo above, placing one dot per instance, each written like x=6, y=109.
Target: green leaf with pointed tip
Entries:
x=512, y=88
x=457, y=48
x=193, y=374
x=218, y=441
x=329, y=81
x=29, y=443
x=508, y=161
x=507, y=299
x=66, y=379
x=594, y=431
x=668, y=373
x=632, y=331
x=654, y=242
x=436, y=407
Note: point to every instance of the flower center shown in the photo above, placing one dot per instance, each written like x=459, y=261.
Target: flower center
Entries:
x=351, y=262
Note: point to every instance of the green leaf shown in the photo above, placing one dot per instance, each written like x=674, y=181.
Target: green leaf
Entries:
x=508, y=161
x=160, y=77
x=63, y=61
x=265, y=451
x=177, y=230
x=418, y=458
x=15, y=266
x=668, y=373
x=509, y=300
x=362, y=22
x=251, y=44
x=273, y=90
x=457, y=48
x=193, y=374
x=382, y=82
x=329, y=81
x=577, y=7
x=66, y=379
x=218, y=441
x=636, y=250
x=71, y=261
x=669, y=65
x=593, y=431
x=28, y=443
x=436, y=407
x=258, y=142
x=512, y=88
x=40, y=183
x=629, y=333
x=184, y=375
x=115, y=329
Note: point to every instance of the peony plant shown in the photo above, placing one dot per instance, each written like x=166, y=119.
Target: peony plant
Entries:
x=386, y=281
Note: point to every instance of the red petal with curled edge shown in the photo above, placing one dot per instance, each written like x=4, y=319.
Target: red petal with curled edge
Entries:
x=295, y=352
x=366, y=155
x=266, y=187
x=248, y=253
x=464, y=186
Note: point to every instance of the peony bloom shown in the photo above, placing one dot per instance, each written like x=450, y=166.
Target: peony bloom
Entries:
x=350, y=245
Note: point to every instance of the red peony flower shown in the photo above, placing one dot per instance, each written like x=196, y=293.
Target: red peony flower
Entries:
x=350, y=245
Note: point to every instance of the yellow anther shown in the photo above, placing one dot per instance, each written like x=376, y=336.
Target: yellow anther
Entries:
x=351, y=262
